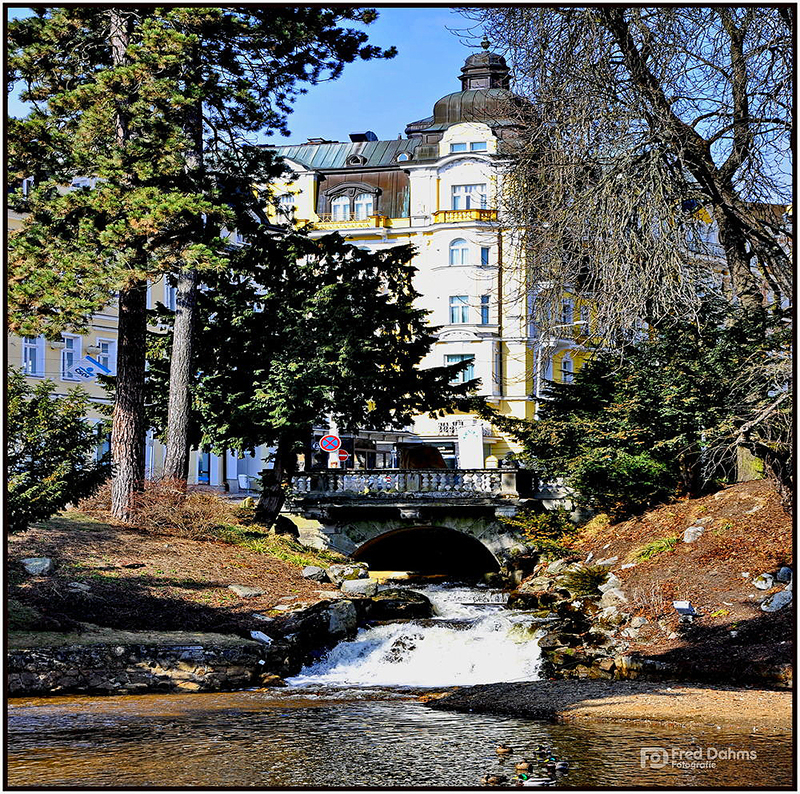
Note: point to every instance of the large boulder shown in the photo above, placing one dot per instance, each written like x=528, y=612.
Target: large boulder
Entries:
x=36, y=566
x=364, y=587
x=345, y=571
x=777, y=601
x=315, y=573
x=397, y=603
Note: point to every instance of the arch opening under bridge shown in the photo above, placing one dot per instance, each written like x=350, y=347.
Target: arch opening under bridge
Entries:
x=427, y=550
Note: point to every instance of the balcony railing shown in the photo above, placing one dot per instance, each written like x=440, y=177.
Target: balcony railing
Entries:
x=407, y=483
x=370, y=222
x=459, y=216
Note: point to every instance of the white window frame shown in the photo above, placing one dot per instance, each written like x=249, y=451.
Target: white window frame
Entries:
x=464, y=375
x=286, y=205
x=469, y=197
x=459, y=309
x=567, y=369
x=486, y=253
x=485, y=310
x=110, y=355
x=455, y=148
x=363, y=206
x=170, y=295
x=35, y=344
x=478, y=146
x=340, y=208
x=71, y=353
x=459, y=252
x=567, y=311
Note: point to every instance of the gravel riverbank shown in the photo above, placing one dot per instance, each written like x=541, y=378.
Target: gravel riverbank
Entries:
x=751, y=710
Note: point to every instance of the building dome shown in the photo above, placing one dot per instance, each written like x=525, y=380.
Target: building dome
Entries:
x=480, y=104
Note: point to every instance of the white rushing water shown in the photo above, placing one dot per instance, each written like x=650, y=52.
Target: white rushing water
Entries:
x=471, y=641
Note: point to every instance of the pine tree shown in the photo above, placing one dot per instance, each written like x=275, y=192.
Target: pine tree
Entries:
x=131, y=97
x=299, y=329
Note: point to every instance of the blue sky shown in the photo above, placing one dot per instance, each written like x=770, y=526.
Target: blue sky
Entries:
x=382, y=96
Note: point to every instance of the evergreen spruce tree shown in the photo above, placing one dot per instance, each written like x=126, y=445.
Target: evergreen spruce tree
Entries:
x=297, y=330
x=151, y=105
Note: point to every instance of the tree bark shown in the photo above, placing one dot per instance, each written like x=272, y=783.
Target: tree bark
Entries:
x=176, y=462
x=128, y=427
x=273, y=483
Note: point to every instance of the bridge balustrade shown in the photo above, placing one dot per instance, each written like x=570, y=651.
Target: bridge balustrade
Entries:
x=423, y=483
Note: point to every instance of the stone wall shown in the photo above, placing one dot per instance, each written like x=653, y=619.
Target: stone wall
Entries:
x=127, y=669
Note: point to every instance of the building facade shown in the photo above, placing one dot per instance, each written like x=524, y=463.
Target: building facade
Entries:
x=437, y=189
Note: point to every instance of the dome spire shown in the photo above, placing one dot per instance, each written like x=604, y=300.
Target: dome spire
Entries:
x=484, y=69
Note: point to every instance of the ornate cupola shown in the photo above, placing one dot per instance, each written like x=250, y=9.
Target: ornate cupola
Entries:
x=485, y=70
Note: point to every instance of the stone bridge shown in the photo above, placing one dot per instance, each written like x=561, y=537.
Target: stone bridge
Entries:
x=422, y=520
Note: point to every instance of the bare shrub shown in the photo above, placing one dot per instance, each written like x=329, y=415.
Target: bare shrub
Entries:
x=167, y=507
x=651, y=600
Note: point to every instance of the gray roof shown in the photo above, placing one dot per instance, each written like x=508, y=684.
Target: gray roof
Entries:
x=324, y=156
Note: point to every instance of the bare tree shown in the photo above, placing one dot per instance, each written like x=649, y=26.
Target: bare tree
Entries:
x=645, y=124
x=653, y=168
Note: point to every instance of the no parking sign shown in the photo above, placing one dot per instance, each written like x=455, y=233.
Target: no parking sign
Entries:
x=330, y=443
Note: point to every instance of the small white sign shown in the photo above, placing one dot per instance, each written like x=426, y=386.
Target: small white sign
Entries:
x=87, y=369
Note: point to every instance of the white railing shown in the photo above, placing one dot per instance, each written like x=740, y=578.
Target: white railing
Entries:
x=423, y=483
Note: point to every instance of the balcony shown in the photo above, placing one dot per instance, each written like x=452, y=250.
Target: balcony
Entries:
x=370, y=222
x=462, y=216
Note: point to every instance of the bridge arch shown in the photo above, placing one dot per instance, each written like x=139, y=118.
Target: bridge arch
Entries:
x=427, y=550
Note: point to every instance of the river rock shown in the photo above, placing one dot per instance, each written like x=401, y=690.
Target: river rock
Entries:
x=777, y=601
x=535, y=584
x=609, y=561
x=364, y=587
x=397, y=603
x=691, y=534
x=784, y=574
x=245, y=590
x=613, y=597
x=36, y=566
x=611, y=583
x=79, y=587
x=638, y=622
x=315, y=573
x=763, y=581
x=345, y=571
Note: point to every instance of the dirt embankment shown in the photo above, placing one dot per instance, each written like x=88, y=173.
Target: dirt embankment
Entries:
x=751, y=710
x=745, y=532
x=121, y=578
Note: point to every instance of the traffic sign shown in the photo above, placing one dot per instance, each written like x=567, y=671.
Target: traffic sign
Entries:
x=330, y=443
x=343, y=455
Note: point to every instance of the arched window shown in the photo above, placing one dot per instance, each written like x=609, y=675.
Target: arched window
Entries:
x=567, y=369
x=340, y=208
x=459, y=252
x=364, y=206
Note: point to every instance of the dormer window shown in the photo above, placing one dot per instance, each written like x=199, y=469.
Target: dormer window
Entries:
x=352, y=200
x=356, y=159
x=364, y=206
x=403, y=157
x=340, y=208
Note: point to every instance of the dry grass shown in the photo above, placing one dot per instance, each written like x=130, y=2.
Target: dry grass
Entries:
x=167, y=507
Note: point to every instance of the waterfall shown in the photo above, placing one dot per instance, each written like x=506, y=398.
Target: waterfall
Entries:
x=472, y=640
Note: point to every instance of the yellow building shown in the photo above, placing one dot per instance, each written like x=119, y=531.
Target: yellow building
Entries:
x=437, y=189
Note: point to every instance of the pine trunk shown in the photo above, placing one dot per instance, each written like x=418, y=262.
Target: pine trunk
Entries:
x=273, y=490
x=128, y=428
x=176, y=462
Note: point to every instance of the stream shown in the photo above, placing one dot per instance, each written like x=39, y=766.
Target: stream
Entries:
x=354, y=719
